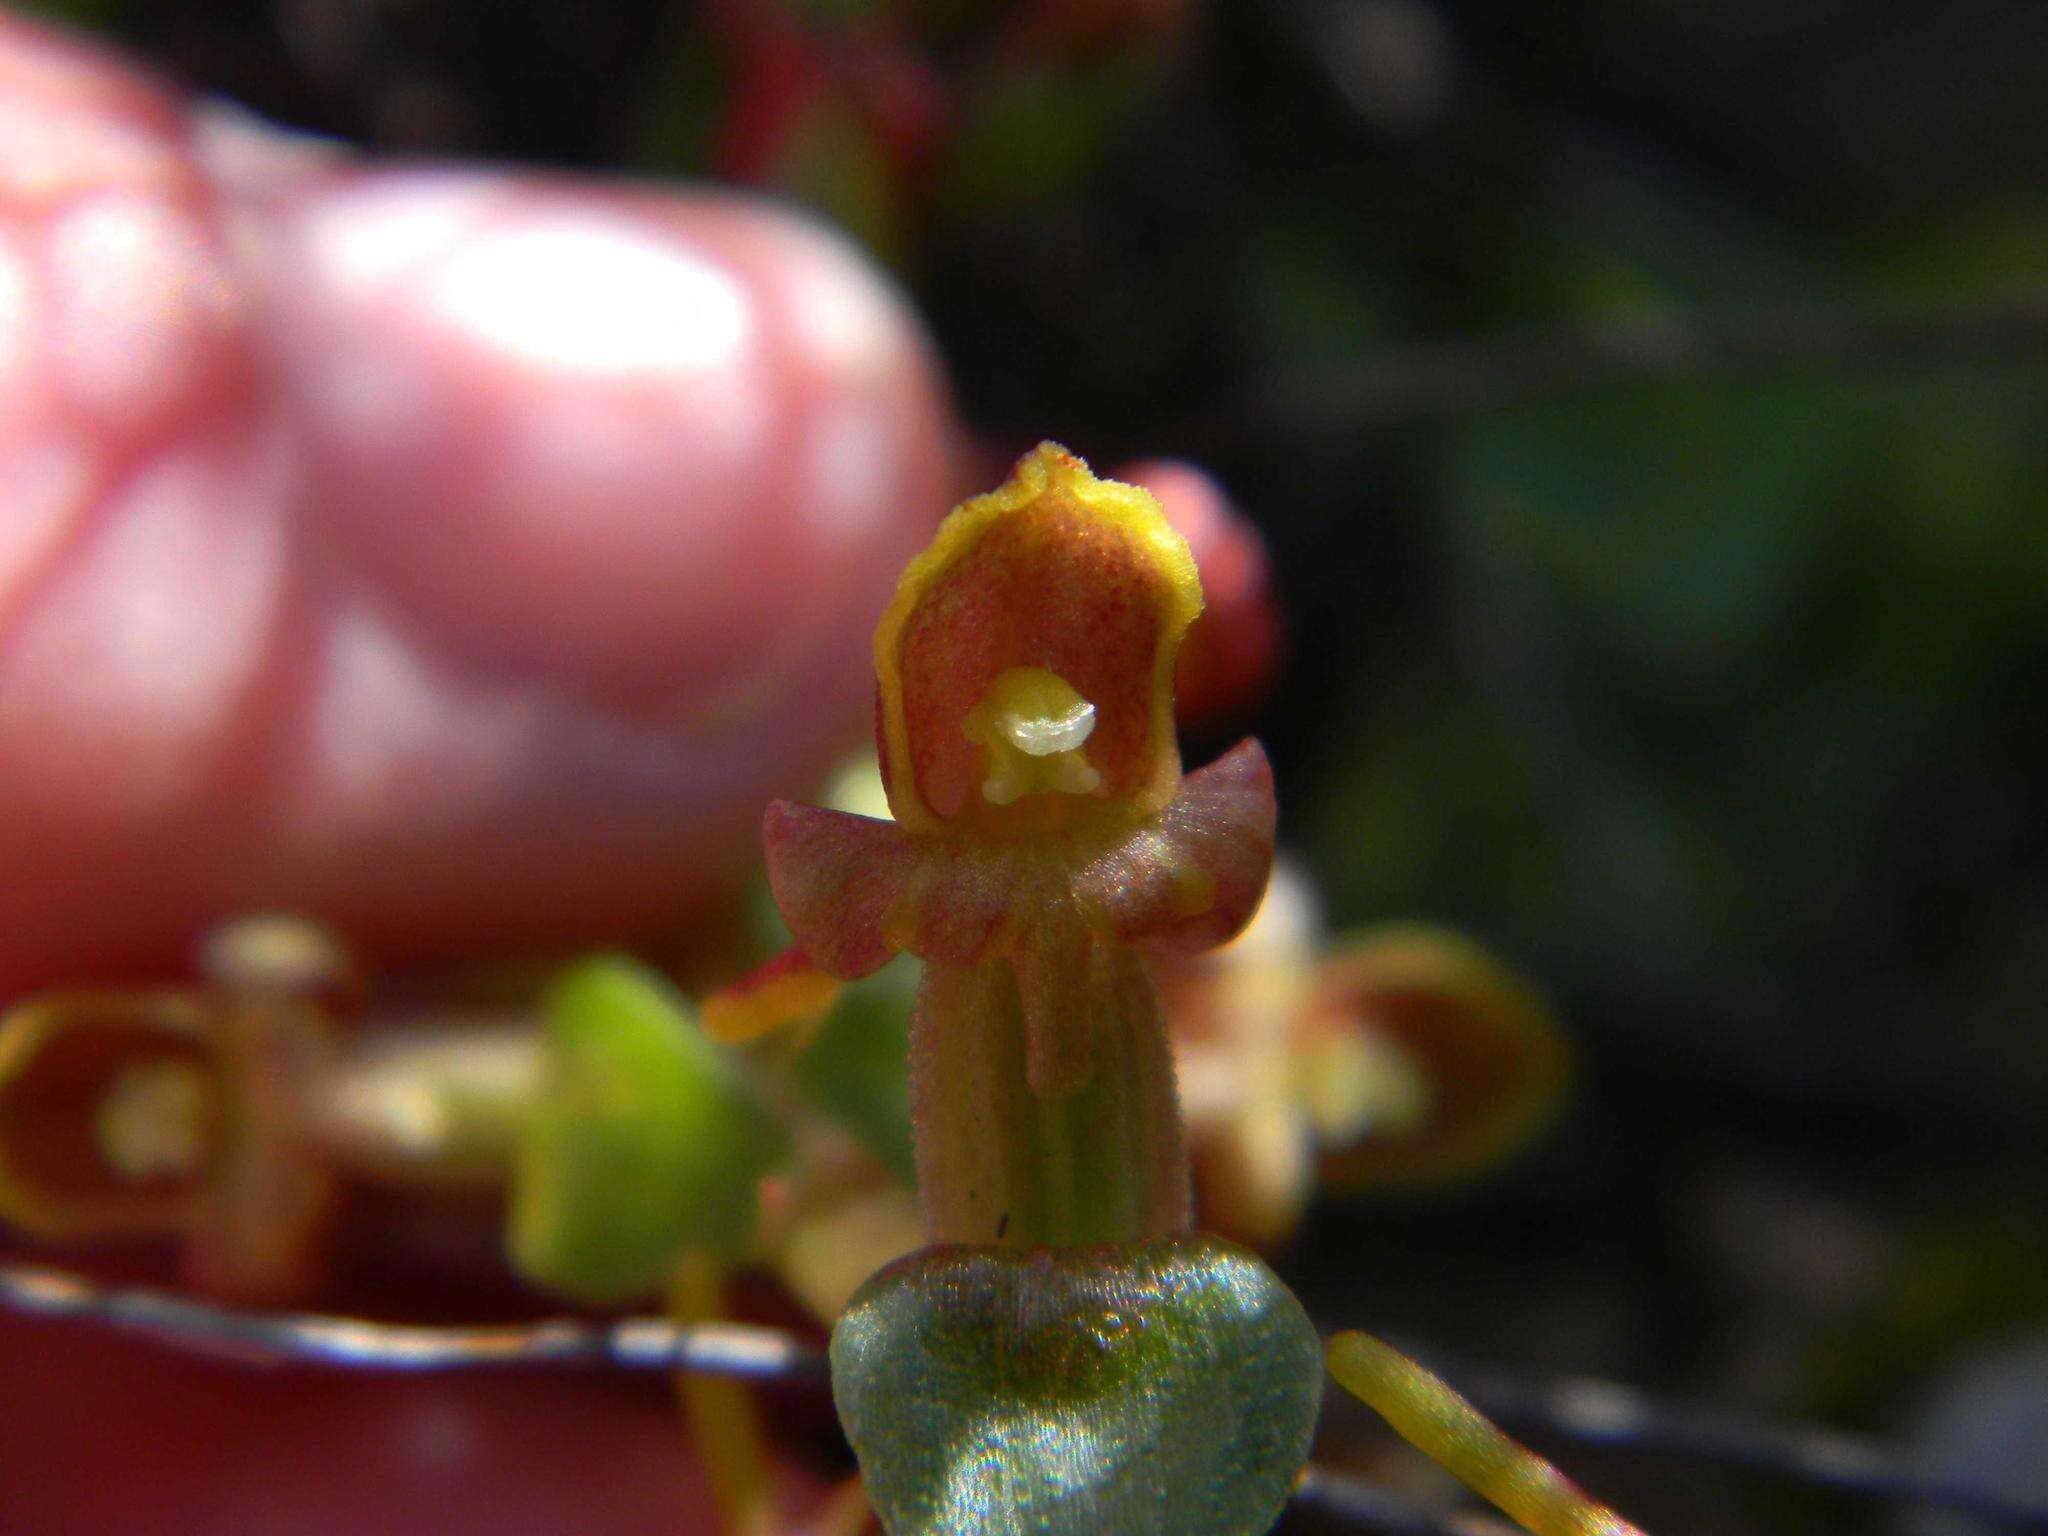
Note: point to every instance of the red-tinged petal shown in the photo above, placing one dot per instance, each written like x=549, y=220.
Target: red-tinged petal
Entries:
x=1192, y=877
x=836, y=878
x=1233, y=650
x=1054, y=573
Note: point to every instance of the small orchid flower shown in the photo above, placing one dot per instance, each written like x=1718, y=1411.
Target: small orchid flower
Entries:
x=1044, y=838
x=1066, y=1357
x=1069, y=1356
x=172, y=1113
x=236, y=1117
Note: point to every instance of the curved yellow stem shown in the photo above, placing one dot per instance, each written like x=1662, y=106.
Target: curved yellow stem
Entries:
x=723, y=1418
x=1443, y=1426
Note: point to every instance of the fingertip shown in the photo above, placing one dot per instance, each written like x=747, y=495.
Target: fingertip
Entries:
x=605, y=431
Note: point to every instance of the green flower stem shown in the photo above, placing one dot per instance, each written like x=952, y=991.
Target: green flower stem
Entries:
x=1101, y=1162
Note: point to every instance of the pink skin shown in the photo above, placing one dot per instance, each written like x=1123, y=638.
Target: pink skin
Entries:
x=462, y=556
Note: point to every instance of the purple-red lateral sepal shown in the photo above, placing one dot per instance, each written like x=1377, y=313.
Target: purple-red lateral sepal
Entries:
x=855, y=891
x=1192, y=877
x=835, y=876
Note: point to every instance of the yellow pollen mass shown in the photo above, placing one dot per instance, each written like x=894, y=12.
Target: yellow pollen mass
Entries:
x=1033, y=724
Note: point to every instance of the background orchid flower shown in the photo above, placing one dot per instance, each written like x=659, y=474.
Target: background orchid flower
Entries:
x=1393, y=1059
x=623, y=1153
x=235, y=1117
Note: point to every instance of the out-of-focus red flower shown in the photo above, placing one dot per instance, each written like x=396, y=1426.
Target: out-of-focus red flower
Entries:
x=1234, y=649
x=899, y=119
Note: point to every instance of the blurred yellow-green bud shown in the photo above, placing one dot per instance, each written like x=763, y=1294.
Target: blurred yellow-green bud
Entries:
x=643, y=1141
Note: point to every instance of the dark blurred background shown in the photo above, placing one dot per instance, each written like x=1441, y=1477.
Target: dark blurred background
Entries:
x=1646, y=408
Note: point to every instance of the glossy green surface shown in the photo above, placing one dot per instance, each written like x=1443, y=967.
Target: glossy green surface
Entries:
x=1160, y=1387
x=643, y=1142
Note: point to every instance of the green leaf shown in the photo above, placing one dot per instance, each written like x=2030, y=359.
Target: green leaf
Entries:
x=1110, y=1391
x=644, y=1140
